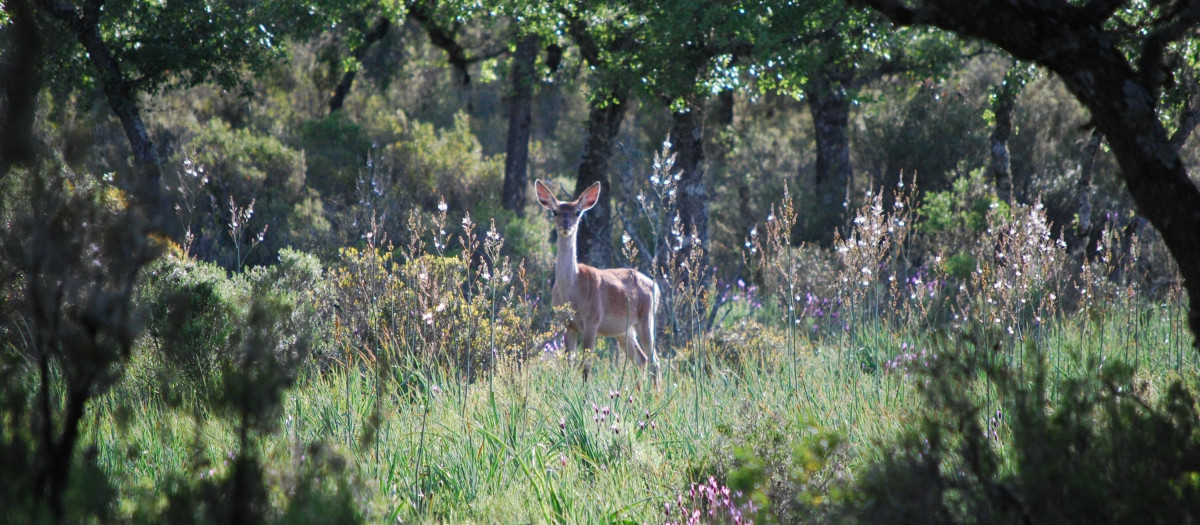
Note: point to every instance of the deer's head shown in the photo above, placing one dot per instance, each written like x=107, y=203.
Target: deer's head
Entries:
x=567, y=213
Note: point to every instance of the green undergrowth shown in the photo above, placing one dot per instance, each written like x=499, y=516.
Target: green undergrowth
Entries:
x=539, y=444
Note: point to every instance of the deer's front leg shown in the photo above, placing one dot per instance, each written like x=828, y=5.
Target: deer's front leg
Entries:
x=571, y=337
x=589, y=347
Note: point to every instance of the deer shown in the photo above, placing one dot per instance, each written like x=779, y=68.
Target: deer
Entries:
x=616, y=302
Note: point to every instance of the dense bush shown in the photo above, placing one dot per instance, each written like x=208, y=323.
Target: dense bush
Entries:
x=1094, y=448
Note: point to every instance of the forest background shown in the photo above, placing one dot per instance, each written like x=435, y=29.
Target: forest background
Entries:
x=278, y=261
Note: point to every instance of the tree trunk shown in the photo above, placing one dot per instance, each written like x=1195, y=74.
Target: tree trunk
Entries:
x=382, y=26
x=444, y=39
x=1003, y=106
x=687, y=132
x=516, y=160
x=725, y=103
x=595, y=231
x=1083, y=187
x=830, y=109
x=1153, y=172
x=21, y=81
x=122, y=99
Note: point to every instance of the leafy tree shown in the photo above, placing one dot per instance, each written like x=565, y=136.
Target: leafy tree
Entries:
x=825, y=53
x=1118, y=59
x=133, y=47
x=363, y=40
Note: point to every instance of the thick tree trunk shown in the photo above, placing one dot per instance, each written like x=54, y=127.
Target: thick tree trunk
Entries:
x=21, y=82
x=595, y=231
x=382, y=26
x=516, y=160
x=1074, y=42
x=1003, y=106
x=830, y=109
x=687, y=132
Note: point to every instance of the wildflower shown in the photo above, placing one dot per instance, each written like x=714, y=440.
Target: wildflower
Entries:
x=442, y=206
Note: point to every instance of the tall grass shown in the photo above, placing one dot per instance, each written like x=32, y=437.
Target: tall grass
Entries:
x=439, y=391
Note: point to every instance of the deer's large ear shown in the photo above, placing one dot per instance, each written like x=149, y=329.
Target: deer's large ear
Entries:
x=589, y=197
x=544, y=196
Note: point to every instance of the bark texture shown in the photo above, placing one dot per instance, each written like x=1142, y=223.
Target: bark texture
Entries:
x=121, y=93
x=1083, y=187
x=595, y=231
x=21, y=81
x=1003, y=107
x=830, y=109
x=687, y=132
x=516, y=160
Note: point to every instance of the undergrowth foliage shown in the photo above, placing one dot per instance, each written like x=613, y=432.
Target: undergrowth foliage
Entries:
x=71, y=255
x=463, y=314
x=1089, y=449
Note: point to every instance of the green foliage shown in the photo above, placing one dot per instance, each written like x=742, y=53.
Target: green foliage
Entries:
x=933, y=131
x=193, y=309
x=448, y=160
x=788, y=467
x=962, y=210
x=236, y=192
x=1097, y=450
x=403, y=373
x=208, y=328
x=336, y=150
x=225, y=40
x=69, y=258
x=961, y=266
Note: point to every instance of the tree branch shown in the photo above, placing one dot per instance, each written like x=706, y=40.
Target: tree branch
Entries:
x=441, y=37
x=1152, y=69
x=1187, y=124
x=1096, y=12
x=902, y=15
x=588, y=48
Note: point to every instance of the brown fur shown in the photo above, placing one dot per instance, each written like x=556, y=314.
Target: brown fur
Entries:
x=616, y=302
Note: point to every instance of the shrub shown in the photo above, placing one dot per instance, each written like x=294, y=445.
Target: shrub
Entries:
x=336, y=149
x=192, y=308
x=1101, y=451
x=236, y=190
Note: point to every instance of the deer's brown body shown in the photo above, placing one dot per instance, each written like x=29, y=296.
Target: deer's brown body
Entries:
x=616, y=303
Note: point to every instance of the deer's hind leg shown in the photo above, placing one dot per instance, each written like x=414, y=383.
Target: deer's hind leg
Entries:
x=645, y=335
x=632, y=347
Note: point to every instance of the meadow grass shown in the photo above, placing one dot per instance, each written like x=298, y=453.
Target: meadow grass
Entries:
x=428, y=384
x=538, y=444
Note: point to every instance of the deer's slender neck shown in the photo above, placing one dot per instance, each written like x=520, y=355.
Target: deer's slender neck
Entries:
x=567, y=267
